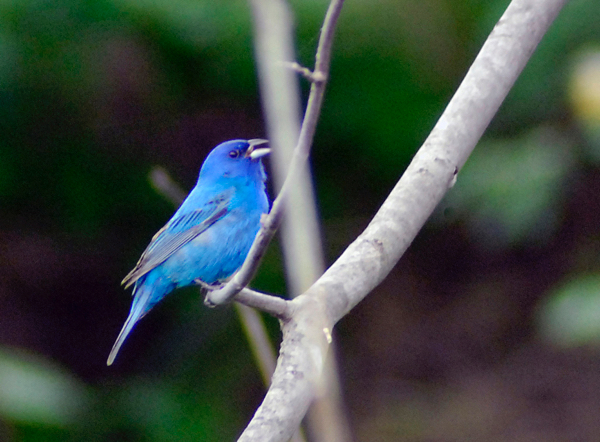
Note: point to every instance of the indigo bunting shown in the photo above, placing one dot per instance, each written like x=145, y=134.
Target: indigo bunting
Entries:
x=209, y=236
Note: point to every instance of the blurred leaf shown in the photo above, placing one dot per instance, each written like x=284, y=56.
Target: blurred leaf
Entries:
x=538, y=94
x=510, y=191
x=584, y=97
x=570, y=316
x=34, y=391
x=585, y=85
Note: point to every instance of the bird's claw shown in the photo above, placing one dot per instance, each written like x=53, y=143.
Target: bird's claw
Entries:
x=263, y=219
x=208, y=302
x=208, y=287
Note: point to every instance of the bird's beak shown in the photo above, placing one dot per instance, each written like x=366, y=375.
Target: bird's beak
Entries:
x=255, y=152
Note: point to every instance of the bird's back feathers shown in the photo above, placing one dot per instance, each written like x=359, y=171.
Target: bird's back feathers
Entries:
x=178, y=232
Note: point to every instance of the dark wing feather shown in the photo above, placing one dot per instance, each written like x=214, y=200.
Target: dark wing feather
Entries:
x=177, y=233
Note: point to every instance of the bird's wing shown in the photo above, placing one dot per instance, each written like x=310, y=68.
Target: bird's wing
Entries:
x=178, y=232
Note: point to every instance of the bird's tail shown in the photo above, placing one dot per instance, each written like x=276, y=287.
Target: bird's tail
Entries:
x=141, y=306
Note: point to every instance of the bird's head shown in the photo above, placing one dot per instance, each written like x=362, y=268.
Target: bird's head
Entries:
x=236, y=158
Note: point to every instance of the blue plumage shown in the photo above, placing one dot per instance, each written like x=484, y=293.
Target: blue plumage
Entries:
x=209, y=236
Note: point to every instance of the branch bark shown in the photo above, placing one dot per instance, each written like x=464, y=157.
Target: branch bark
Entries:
x=364, y=264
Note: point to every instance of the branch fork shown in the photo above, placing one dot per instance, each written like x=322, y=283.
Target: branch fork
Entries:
x=311, y=316
x=312, y=76
x=271, y=222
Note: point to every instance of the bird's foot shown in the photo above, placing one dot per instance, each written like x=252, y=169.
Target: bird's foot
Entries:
x=263, y=219
x=206, y=286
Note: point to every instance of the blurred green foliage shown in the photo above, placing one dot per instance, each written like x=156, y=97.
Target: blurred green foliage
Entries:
x=513, y=190
x=94, y=93
x=570, y=315
x=35, y=392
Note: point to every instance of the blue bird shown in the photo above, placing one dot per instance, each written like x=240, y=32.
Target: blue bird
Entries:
x=209, y=236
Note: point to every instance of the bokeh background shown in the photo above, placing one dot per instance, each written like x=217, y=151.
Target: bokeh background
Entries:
x=487, y=330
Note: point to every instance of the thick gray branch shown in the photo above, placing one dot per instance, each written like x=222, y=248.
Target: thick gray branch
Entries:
x=433, y=170
x=370, y=258
x=273, y=305
x=296, y=377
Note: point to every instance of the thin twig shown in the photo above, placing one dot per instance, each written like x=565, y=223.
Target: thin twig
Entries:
x=298, y=162
x=304, y=71
x=164, y=185
x=260, y=344
x=274, y=305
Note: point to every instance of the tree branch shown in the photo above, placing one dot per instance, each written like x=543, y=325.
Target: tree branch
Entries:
x=274, y=8
x=364, y=264
x=433, y=170
x=274, y=305
x=261, y=346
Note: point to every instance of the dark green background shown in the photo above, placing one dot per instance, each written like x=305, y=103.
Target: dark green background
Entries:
x=486, y=331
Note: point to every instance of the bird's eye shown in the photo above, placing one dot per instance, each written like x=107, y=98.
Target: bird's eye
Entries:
x=234, y=154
